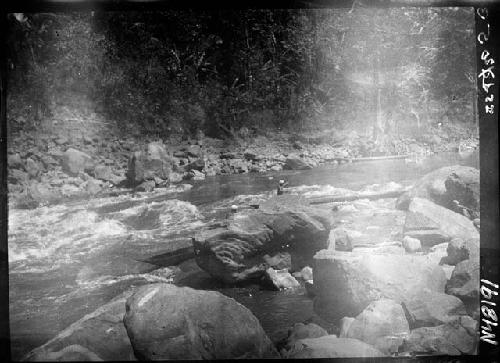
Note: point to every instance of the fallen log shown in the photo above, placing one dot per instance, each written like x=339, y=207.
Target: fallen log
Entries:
x=351, y=197
x=372, y=158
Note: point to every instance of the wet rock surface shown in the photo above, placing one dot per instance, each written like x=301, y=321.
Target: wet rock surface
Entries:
x=447, y=339
x=346, y=283
x=330, y=346
x=432, y=309
x=167, y=322
x=445, y=185
x=381, y=324
x=234, y=253
x=100, y=335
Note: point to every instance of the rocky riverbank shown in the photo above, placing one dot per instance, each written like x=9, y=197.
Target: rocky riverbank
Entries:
x=72, y=160
x=405, y=283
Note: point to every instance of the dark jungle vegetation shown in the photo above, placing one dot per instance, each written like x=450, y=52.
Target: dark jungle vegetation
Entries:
x=382, y=72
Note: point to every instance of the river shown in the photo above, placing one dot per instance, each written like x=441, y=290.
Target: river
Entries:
x=66, y=260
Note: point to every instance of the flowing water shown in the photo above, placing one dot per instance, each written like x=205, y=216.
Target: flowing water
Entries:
x=67, y=260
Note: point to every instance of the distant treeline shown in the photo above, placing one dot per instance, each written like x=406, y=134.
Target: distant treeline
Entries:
x=219, y=71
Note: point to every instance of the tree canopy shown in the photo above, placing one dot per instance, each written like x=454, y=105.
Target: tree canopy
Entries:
x=392, y=70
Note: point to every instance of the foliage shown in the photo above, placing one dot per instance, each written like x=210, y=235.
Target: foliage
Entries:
x=222, y=70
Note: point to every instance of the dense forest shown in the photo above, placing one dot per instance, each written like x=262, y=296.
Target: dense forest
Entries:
x=381, y=72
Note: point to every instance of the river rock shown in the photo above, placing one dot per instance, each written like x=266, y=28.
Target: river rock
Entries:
x=100, y=335
x=460, y=250
x=411, y=245
x=303, y=331
x=346, y=283
x=418, y=222
x=381, y=324
x=103, y=172
x=432, y=309
x=329, y=346
x=91, y=186
x=198, y=164
x=309, y=285
x=430, y=237
x=384, y=248
x=294, y=162
x=437, y=252
x=16, y=176
x=165, y=322
x=149, y=163
x=193, y=151
x=238, y=165
x=280, y=279
x=195, y=175
x=33, y=168
x=234, y=252
x=446, y=339
x=451, y=223
x=463, y=186
x=306, y=273
x=14, y=161
x=74, y=161
x=464, y=282
x=280, y=261
x=146, y=186
x=444, y=185
x=343, y=241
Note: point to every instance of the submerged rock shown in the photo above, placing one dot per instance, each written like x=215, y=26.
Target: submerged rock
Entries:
x=164, y=322
x=330, y=346
x=346, y=283
x=381, y=324
x=100, y=335
x=234, y=253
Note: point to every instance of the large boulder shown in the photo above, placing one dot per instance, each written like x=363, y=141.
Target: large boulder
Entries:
x=432, y=309
x=164, y=322
x=382, y=324
x=330, y=346
x=346, y=283
x=280, y=279
x=463, y=186
x=460, y=250
x=74, y=162
x=303, y=331
x=153, y=162
x=235, y=252
x=447, y=339
x=444, y=185
x=104, y=172
x=464, y=282
x=294, y=162
x=452, y=224
x=100, y=335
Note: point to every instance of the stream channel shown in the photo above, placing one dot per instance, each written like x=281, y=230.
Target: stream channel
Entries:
x=66, y=260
